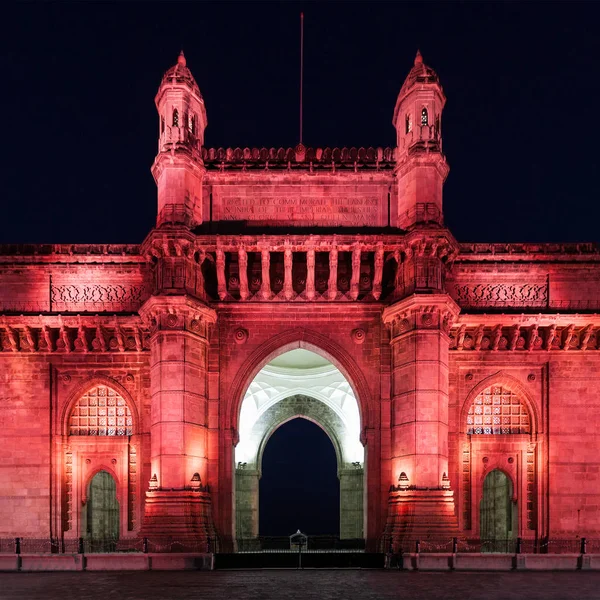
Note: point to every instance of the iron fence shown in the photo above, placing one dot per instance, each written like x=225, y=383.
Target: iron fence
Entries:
x=314, y=544
x=396, y=545
x=20, y=545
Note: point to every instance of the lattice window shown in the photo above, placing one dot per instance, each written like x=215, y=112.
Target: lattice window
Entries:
x=424, y=116
x=497, y=410
x=101, y=411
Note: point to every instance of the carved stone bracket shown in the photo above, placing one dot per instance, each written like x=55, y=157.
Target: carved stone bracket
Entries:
x=178, y=313
x=432, y=311
x=532, y=338
x=72, y=334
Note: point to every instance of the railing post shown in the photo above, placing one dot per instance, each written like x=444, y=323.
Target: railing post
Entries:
x=17, y=545
x=454, y=545
x=518, y=548
x=583, y=545
x=418, y=546
x=80, y=546
x=145, y=545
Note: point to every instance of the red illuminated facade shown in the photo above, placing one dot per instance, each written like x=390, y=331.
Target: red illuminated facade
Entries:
x=470, y=363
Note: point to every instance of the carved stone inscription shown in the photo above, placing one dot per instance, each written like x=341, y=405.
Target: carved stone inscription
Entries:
x=345, y=210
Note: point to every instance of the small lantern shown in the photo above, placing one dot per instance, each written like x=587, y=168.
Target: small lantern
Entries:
x=403, y=481
x=195, y=482
x=445, y=482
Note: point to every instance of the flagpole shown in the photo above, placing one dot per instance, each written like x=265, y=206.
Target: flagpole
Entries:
x=301, y=68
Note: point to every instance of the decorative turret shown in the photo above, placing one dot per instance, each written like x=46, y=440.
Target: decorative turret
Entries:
x=421, y=168
x=178, y=168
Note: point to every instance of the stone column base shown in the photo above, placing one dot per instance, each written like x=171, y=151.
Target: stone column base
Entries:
x=179, y=518
x=421, y=515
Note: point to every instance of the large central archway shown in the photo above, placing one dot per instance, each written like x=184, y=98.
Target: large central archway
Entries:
x=299, y=383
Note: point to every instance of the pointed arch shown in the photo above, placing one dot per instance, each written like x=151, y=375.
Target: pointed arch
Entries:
x=175, y=118
x=279, y=423
x=88, y=384
x=424, y=116
x=308, y=340
x=510, y=382
x=92, y=473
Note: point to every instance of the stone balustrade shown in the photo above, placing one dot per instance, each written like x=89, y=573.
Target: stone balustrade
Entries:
x=317, y=268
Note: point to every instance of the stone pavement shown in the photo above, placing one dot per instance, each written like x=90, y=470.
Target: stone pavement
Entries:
x=308, y=585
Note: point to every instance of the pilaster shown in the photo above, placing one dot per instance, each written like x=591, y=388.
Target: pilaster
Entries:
x=419, y=327
x=179, y=327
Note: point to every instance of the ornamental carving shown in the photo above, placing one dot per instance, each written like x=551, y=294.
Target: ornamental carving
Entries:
x=358, y=336
x=240, y=336
x=502, y=294
x=72, y=296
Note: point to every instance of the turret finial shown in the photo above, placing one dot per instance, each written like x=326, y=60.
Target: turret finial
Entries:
x=181, y=59
x=418, y=58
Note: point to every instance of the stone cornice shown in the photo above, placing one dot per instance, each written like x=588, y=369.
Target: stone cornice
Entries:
x=527, y=252
x=20, y=334
x=299, y=158
x=526, y=333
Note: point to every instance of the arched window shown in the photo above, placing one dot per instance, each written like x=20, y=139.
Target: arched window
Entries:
x=162, y=124
x=101, y=412
x=192, y=123
x=408, y=120
x=497, y=410
x=424, y=116
x=175, y=118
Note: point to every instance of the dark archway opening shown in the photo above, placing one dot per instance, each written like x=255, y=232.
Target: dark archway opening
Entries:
x=299, y=487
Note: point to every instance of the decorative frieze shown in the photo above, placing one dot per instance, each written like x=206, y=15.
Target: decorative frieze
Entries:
x=501, y=295
x=96, y=297
x=527, y=338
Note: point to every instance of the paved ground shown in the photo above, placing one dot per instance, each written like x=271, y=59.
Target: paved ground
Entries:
x=307, y=585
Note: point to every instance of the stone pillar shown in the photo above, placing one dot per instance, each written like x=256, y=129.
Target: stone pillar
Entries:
x=378, y=275
x=351, y=503
x=288, y=289
x=355, y=281
x=243, y=273
x=420, y=504
x=310, y=274
x=221, y=283
x=333, y=269
x=265, y=286
x=178, y=502
x=246, y=517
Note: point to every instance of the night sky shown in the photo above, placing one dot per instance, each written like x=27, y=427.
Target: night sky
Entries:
x=79, y=126
x=299, y=488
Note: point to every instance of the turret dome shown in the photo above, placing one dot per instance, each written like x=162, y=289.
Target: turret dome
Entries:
x=179, y=73
x=420, y=73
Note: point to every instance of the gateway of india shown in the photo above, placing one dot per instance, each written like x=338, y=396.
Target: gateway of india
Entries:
x=458, y=383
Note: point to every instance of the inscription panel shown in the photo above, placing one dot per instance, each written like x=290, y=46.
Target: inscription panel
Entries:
x=345, y=206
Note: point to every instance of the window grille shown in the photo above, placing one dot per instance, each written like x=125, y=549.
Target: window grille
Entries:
x=497, y=410
x=101, y=412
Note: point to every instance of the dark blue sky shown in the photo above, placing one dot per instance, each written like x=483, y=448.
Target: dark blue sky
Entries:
x=79, y=126
x=299, y=488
